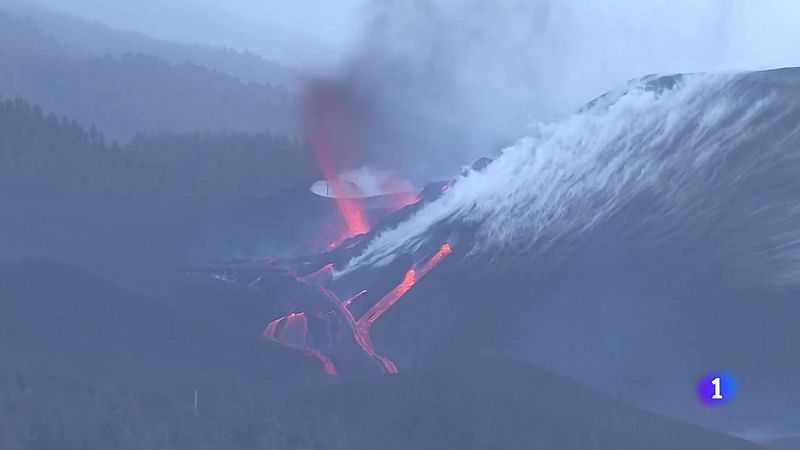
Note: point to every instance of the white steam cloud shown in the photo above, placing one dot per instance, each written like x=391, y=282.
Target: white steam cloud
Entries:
x=448, y=81
x=674, y=144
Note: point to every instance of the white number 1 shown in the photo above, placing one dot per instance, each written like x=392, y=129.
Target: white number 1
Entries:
x=717, y=395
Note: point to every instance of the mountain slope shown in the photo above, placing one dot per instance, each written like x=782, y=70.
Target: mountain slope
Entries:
x=96, y=39
x=128, y=364
x=61, y=316
x=133, y=94
x=48, y=151
x=482, y=401
x=640, y=243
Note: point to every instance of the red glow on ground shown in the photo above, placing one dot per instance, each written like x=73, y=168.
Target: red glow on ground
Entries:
x=388, y=300
x=329, y=129
x=411, y=277
x=355, y=297
x=320, y=276
x=292, y=331
x=361, y=338
x=434, y=261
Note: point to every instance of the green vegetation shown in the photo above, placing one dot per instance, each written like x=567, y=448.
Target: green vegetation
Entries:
x=39, y=410
x=437, y=409
x=96, y=39
x=135, y=93
x=236, y=165
x=49, y=151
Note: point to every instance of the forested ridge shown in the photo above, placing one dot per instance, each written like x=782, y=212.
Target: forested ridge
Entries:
x=55, y=152
x=130, y=93
x=235, y=165
x=46, y=150
x=92, y=38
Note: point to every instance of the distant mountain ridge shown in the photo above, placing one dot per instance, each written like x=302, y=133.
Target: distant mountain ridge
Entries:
x=42, y=149
x=97, y=39
x=130, y=94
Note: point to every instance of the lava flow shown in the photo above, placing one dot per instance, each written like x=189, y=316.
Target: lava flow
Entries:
x=388, y=300
x=330, y=132
x=292, y=330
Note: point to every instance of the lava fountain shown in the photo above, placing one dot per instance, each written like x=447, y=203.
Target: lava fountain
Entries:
x=330, y=132
x=325, y=326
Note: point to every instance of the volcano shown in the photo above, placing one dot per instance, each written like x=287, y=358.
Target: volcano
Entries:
x=567, y=293
x=331, y=317
x=651, y=236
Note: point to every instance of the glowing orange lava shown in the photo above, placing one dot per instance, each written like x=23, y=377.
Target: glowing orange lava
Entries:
x=349, y=207
x=328, y=127
x=327, y=121
x=387, y=301
x=292, y=331
x=434, y=261
x=321, y=276
x=355, y=297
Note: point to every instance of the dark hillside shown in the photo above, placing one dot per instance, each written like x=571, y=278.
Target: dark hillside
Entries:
x=49, y=151
x=52, y=151
x=97, y=39
x=481, y=401
x=129, y=94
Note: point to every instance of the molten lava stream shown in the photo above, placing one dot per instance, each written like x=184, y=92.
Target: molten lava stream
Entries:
x=411, y=277
x=274, y=332
x=387, y=301
x=292, y=330
x=355, y=297
x=362, y=339
x=444, y=251
x=295, y=328
x=320, y=276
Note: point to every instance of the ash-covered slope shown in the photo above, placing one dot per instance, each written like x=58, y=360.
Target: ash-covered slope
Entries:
x=681, y=150
x=642, y=242
x=647, y=239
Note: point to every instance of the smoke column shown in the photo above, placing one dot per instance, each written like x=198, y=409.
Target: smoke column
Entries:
x=437, y=83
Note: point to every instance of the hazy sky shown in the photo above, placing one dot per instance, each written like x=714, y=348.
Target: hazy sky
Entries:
x=491, y=65
x=320, y=32
x=299, y=32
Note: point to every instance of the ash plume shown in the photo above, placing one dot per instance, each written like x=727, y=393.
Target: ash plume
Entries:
x=435, y=84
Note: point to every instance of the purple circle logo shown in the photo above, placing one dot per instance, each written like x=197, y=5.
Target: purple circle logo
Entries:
x=717, y=388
